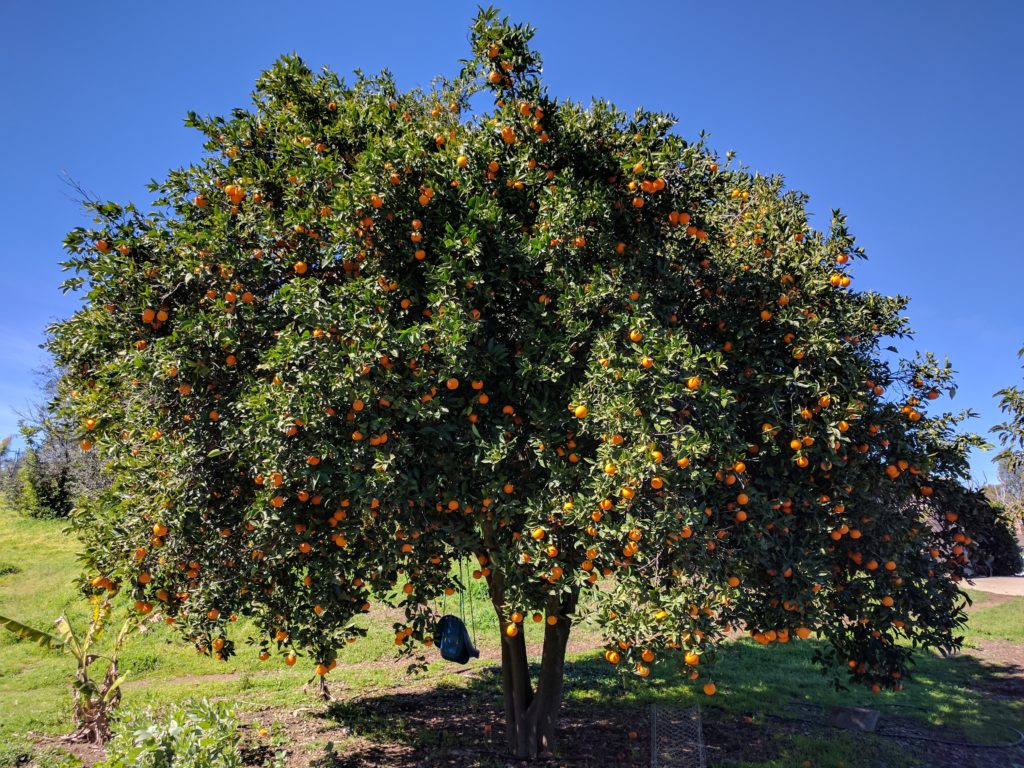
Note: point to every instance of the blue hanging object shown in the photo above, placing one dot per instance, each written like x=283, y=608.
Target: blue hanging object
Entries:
x=453, y=640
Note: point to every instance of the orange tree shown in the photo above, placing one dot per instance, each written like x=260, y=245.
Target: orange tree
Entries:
x=375, y=333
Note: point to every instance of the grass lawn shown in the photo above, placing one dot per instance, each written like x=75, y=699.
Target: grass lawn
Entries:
x=995, y=617
x=764, y=716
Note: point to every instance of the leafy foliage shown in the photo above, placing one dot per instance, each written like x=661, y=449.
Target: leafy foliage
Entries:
x=191, y=735
x=29, y=490
x=32, y=635
x=984, y=525
x=1011, y=431
x=373, y=333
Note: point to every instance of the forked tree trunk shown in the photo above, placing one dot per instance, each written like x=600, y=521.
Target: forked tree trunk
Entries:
x=531, y=715
x=323, y=691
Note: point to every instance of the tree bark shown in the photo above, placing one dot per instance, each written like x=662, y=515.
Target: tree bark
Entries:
x=548, y=700
x=531, y=716
x=520, y=732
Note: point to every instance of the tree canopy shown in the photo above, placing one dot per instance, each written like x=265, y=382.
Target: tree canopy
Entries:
x=373, y=333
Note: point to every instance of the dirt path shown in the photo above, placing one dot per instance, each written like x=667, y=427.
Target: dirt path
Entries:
x=1000, y=585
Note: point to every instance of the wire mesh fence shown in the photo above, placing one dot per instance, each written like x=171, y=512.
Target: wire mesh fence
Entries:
x=677, y=739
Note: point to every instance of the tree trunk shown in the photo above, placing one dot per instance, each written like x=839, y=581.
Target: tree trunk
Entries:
x=518, y=695
x=531, y=716
x=548, y=699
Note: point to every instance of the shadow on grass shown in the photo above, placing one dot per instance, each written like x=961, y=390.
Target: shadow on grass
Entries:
x=772, y=700
x=464, y=726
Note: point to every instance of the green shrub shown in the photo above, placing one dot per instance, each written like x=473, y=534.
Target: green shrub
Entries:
x=191, y=735
x=26, y=484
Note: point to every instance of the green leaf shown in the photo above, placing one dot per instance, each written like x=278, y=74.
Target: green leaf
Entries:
x=25, y=632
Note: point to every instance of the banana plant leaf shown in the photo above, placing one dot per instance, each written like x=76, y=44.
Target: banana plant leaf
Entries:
x=25, y=632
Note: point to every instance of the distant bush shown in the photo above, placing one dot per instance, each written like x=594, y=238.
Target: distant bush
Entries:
x=190, y=735
x=999, y=542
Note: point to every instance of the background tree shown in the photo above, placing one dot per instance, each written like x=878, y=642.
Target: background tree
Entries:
x=26, y=496
x=8, y=462
x=374, y=333
x=1010, y=461
x=1011, y=431
x=52, y=471
x=1009, y=491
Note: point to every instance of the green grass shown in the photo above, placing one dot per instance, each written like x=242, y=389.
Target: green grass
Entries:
x=997, y=617
x=37, y=573
x=777, y=681
x=842, y=750
x=33, y=683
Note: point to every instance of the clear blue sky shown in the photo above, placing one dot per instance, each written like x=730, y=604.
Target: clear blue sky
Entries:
x=907, y=115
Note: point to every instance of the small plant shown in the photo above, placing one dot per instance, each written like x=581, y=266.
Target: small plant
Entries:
x=268, y=751
x=95, y=700
x=329, y=759
x=191, y=735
